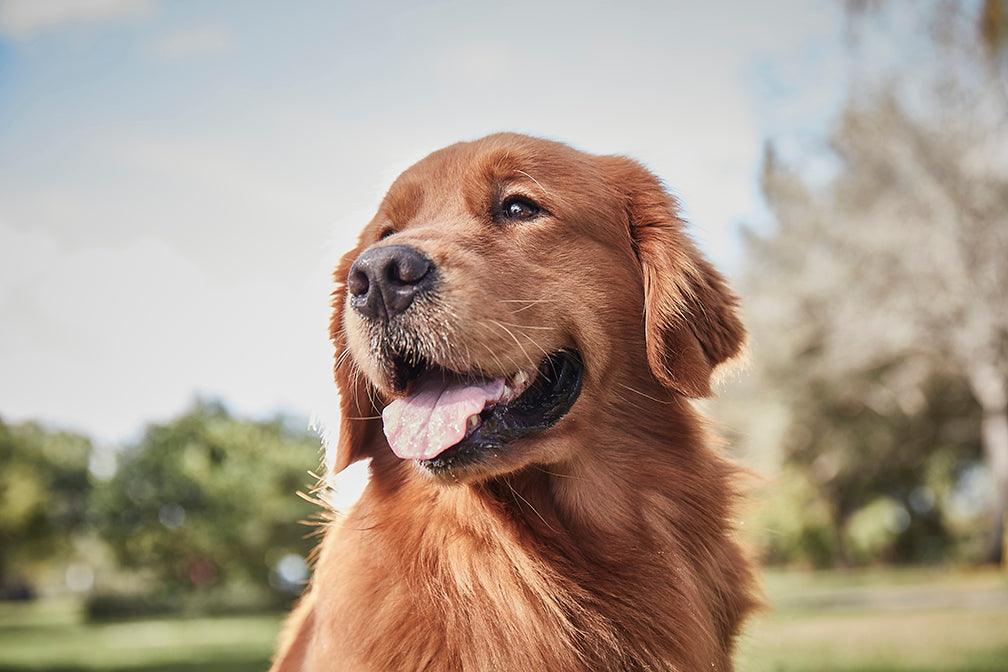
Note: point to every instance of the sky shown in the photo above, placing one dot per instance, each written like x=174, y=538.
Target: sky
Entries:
x=177, y=178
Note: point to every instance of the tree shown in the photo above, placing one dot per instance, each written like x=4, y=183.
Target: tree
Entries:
x=209, y=500
x=898, y=263
x=44, y=487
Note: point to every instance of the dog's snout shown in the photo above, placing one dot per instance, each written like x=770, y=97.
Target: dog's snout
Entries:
x=383, y=281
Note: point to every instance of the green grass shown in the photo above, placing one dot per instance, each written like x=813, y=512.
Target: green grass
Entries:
x=52, y=636
x=884, y=621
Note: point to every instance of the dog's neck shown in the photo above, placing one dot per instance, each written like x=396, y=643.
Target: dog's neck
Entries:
x=615, y=519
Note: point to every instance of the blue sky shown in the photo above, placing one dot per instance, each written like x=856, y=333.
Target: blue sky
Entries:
x=176, y=178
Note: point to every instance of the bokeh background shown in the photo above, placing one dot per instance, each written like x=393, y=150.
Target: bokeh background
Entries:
x=177, y=178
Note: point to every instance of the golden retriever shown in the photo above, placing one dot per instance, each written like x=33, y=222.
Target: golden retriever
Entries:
x=518, y=335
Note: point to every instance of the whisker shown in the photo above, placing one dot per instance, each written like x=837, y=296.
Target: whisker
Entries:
x=515, y=366
x=530, y=303
x=524, y=326
x=522, y=172
x=539, y=300
x=494, y=355
x=342, y=356
x=646, y=396
x=546, y=471
x=630, y=403
x=371, y=392
x=468, y=356
x=536, y=344
x=511, y=334
x=529, y=504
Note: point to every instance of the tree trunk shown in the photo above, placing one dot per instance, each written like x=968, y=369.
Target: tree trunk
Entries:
x=995, y=444
x=991, y=390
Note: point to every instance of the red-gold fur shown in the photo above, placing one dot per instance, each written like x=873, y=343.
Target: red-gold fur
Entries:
x=602, y=543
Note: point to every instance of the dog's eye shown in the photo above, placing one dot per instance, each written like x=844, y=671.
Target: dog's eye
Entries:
x=385, y=233
x=519, y=208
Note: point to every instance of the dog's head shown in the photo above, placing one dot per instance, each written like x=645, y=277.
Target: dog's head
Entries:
x=502, y=291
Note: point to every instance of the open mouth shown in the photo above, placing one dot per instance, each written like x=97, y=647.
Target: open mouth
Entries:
x=447, y=420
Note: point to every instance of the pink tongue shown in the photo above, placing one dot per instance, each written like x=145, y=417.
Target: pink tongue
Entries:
x=433, y=418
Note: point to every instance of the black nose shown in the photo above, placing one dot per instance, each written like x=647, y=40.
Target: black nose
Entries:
x=384, y=280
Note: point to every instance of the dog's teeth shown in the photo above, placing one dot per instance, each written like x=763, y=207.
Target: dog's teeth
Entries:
x=519, y=379
x=472, y=422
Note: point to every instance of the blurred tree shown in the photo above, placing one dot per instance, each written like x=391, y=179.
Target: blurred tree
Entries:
x=994, y=28
x=209, y=500
x=44, y=487
x=895, y=268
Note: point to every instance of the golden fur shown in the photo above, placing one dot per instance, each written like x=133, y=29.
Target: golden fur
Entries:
x=602, y=543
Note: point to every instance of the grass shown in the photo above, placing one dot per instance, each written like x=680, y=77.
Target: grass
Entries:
x=53, y=637
x=885, y=621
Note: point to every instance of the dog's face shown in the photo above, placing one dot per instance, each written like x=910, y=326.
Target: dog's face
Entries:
x=503, y=289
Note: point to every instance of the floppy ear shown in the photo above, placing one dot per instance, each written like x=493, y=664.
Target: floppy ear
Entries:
x=359, y=418
x=691, y=324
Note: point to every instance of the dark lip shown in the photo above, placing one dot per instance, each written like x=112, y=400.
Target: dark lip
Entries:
x=549, y=398
x=403, y=370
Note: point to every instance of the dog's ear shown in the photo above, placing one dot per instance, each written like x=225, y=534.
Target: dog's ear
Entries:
x=691, y=323
x=359, y=418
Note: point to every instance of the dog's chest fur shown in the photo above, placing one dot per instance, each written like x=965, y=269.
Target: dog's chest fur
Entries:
x=464, y=582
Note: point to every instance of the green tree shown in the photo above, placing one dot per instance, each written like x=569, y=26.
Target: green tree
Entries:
x=44, y=488
x=209, y=500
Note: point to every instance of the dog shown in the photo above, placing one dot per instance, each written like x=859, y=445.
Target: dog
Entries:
x=519, y=335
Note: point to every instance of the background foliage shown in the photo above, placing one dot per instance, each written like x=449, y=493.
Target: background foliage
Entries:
x=879, y=306
x=44, y=496
x=201, y=514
